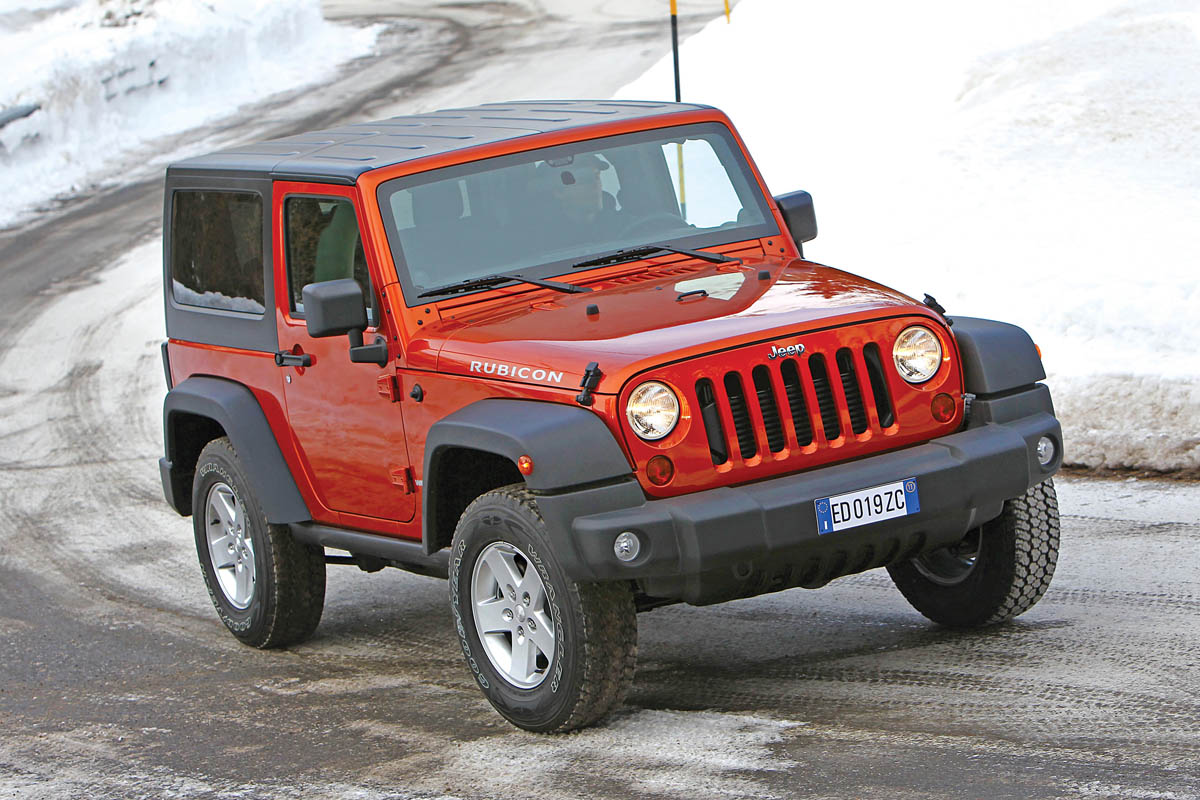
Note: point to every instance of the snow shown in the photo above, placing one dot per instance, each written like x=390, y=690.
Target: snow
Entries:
x=190, y=297
x=111, y=76
x=1025, y=161
x=685, y=754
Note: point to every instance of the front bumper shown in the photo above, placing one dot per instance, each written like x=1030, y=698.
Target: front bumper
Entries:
x=740, y=541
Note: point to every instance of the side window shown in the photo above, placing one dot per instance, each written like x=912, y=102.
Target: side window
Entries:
x=217, y=250
x=323, y=244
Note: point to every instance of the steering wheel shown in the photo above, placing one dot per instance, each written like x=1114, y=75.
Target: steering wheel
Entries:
x=659, y=220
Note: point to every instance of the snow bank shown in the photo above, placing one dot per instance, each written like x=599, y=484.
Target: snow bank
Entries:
x=1028, y=161
x=110, y=75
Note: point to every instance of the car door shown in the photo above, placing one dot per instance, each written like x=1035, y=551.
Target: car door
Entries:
x=347, y=426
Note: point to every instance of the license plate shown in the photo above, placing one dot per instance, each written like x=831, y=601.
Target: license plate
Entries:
x=865, y=506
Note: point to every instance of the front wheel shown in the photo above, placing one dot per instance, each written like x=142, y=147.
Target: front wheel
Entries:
x=550, y=654
x=998, y=570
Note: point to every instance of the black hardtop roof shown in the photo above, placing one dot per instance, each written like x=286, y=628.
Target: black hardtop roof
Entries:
x=344, y=153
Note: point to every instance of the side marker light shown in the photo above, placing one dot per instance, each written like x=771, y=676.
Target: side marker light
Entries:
x=942, y=407
x=660, y=470
x=525, y=465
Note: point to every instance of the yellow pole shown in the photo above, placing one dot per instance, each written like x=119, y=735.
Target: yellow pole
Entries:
x=726, y=12
x=682, y=186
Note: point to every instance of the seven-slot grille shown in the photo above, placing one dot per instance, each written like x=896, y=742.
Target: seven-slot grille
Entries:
x=804, y=402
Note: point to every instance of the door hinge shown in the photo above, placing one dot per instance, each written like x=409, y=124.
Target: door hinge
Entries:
x=403, y=477
x=388, y=388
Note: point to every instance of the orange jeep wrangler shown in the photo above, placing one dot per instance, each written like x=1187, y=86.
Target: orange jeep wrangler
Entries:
x=570, y=356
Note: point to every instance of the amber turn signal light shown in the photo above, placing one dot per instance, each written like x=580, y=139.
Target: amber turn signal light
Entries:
x=942, y=407
x=525, y=465
x=660, y=470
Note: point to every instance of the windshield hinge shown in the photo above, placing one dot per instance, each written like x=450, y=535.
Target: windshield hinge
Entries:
x=591, y=380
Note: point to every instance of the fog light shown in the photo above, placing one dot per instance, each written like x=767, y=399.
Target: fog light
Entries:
x=627, y=546
x=660, y=470
x=1045, y=451
x=942, y=407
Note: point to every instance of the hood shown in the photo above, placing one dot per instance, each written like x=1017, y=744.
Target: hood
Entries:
x=653, y=316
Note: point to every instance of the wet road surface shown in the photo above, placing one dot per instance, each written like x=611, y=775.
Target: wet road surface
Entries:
x=119, y=682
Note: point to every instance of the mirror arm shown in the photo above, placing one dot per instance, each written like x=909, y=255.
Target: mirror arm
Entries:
x=374, y=353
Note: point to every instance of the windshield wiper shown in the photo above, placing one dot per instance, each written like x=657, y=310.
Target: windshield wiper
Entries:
x=495, y=280
x=635, y=253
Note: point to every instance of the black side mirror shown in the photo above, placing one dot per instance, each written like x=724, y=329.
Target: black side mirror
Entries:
x=335, y=308
x=798, y=213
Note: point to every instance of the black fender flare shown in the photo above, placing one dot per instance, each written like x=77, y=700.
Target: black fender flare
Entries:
x=234, y=407
x=996, y=356
x=570, y=446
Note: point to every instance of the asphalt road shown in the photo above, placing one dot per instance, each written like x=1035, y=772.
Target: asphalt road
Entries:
x=119, y=682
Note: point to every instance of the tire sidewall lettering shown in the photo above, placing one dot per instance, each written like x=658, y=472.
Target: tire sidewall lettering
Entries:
x=509, y=525
x=455, y=597
x=560, y=636
x=238, y=621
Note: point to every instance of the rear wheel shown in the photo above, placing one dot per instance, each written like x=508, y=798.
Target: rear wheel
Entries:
x=267, y=588
x=998, y=570
x=549, y=654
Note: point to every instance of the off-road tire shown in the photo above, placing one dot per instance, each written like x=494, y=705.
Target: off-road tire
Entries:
x=289, y=591
x=595, y=623
x=1016, y=558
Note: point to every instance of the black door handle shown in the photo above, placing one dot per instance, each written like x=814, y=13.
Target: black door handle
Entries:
x=285, y=358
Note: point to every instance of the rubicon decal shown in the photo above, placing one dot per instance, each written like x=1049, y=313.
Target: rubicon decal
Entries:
x=790, y=350
x=516, y=371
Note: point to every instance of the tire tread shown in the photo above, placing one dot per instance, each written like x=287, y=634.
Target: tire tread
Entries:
x=1029, y=528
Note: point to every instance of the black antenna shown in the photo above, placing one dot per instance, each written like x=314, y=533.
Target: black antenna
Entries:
x=675, y=46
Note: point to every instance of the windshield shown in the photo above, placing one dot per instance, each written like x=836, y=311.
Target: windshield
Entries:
x=541, y=211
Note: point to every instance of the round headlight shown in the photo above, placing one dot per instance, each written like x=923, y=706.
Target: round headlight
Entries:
x=917, y=354
x=653, y=410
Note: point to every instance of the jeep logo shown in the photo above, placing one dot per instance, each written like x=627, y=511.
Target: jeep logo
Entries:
x=790, y=350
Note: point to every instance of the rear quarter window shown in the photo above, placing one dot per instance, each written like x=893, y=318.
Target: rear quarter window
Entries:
x=217, y=250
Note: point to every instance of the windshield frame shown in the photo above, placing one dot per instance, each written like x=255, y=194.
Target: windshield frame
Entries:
x=740, y=172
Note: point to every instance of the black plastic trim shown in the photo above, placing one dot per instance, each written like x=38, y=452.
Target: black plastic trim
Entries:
x=569, y=445
x=312, y=177
x=691, y=543
x=174, y=489
x=235, y=409
x=406, y=553
x=996, y=356
x=166, y=359
x=1010, y=406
